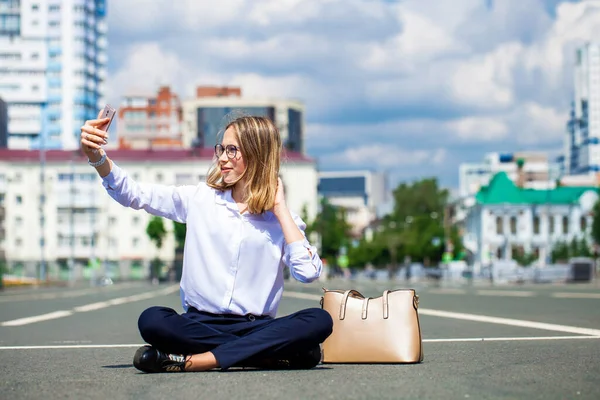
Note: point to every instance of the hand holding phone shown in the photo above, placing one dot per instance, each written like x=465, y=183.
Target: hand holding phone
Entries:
x=107, y=112
x=94, y=133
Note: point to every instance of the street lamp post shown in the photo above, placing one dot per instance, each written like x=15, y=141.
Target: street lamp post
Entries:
x=72, y=222
x=42, y=204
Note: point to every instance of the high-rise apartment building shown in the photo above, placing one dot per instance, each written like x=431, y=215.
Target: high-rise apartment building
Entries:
x=205, y=117
x=150, y=121
x=52, y=69
x=582, y=146
x=3, y=124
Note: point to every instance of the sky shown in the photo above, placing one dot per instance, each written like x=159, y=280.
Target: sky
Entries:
x=413, y=88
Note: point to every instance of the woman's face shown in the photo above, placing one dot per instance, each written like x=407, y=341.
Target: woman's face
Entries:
x=232, y=161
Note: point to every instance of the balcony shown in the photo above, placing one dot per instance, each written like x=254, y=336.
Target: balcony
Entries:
x=54, y=98
x=53, y=130
x=54, y=82
x=80, y=200
x=54, y=50
x=81, y=228
x=54, y=67
x=53, y=113
x=79, y=114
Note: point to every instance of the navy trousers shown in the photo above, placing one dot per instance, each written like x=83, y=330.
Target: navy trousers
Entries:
x=234, y=339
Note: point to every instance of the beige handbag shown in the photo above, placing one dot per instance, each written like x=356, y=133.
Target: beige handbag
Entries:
x=383, y=329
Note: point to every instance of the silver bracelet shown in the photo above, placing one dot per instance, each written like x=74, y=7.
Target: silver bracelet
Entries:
x=98, y=163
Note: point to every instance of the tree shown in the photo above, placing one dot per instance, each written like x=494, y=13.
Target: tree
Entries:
x=524, y=258
x=596, y=224
x=417, y=222
x=156, y=232
x=560, y=252
x=179, y=230
x=333, y=229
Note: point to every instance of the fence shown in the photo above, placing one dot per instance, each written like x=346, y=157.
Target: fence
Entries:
x=21, y=271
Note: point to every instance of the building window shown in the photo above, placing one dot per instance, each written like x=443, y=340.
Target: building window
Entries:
x=499, y=226
x=551, y=224
x=513, y=225
x=136, y=220
x=19, y=199
x=18, y=242
x=18, y=221
x=35, y=7
x=159, y=177
x=565, y=225
x=499, y=254
x=583, y=224
x=135, y=242
x=536, y=225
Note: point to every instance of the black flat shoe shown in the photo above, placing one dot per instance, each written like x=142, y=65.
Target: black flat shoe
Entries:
x=149, y=359
x=306, y=359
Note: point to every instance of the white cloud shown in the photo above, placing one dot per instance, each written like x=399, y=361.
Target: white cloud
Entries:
x=146, y=67
x=478, y=129
x=407, y=76
x=383, y=156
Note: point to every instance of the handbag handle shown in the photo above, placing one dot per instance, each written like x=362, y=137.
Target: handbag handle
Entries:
x=386, y=307
x=345, y=299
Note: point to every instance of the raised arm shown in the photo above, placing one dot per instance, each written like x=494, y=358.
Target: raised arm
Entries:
x=299, y=255
x=161, y=200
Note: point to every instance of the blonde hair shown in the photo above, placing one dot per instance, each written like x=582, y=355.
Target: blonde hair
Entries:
x=260, y=145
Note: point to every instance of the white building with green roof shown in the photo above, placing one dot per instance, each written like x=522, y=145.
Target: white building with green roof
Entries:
x=506, y=218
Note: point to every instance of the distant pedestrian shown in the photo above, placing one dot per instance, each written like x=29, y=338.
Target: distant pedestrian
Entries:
x=240, y=236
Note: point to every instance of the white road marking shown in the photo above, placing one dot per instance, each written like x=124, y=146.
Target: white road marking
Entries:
x=5, y=298
x=510, y=321
x=449, y=340
x=38, y=318
x=75, y=346
x=91, y=307
x=508, y=339
x=576, y=295
x=481, y=318
x=507, y=293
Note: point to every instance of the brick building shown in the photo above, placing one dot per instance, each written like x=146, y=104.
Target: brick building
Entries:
x=150, y=121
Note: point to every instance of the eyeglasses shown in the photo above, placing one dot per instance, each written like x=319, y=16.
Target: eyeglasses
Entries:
x=230, y=149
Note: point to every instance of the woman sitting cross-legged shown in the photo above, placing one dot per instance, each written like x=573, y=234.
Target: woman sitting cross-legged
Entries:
x=240, y=235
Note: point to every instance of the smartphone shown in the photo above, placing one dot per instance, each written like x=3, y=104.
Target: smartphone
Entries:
x=107, y=112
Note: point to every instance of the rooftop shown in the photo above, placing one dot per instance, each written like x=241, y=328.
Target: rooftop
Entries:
x=501, y=190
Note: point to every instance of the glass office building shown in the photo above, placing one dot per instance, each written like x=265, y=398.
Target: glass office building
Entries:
x=205, y=117
x=212, y=120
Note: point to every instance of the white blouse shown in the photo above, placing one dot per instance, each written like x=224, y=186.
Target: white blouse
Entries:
x=233, y=263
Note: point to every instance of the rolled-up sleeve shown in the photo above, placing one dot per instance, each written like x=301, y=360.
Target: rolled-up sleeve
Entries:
x=161, y=200
x=302, y=258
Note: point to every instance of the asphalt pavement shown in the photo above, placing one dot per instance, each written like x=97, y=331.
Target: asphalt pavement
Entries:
x=480, y=342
